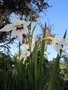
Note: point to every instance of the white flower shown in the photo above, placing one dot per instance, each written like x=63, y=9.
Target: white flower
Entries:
x=17, y=27
x=25, y=53
x=25, y=50
x=32, y=6
x=58, y=43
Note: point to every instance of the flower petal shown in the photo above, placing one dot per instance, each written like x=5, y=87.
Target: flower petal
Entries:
x=64, y=42
x=57, y=44
x=16, y=22
x=13, y=33
x=32, y=6
x=24, y=55
x=23, y=31
x=19, y=35
x=25, y=22
x=7, y=28
x=57, y=47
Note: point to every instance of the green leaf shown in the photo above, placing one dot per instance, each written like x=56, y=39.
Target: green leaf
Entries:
x=25, y=17
x=41, y=60
x=30, y=17
x=35, y=25
x=65, y=34
x=54, y=74
x=35, y=63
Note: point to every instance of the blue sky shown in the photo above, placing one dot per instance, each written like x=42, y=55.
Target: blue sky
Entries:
x=57, y=16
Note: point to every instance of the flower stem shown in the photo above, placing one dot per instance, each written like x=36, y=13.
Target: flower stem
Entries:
x=19, y=51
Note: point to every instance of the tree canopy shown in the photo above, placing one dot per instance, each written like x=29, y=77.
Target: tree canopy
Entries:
x=20, y=7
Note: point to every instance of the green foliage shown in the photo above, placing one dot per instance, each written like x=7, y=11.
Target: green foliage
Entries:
x=54, y=73
x=5, y=64
x=64, y=69
x=19, y=76
x=35, y=74
x=55, y=69
x=14, y=75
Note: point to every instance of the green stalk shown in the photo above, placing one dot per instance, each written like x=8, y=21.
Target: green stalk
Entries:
x=35, y=25
x=30, y=43
x=35, y=64
x=25, y=17
x=41, y=60
x=19, y=51
x=29, y=28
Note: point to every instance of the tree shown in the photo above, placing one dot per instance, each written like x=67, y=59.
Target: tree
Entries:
x=21, y=7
